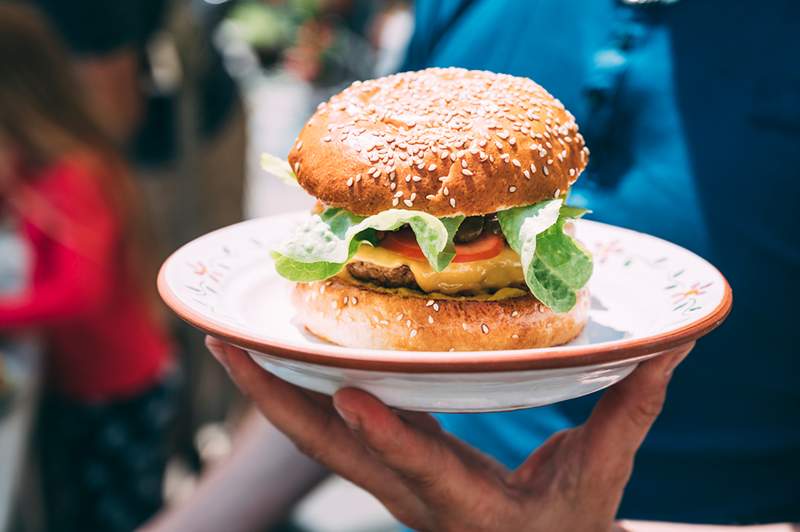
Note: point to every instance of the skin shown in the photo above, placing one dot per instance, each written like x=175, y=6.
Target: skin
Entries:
x=112, y=82
x=430, y=480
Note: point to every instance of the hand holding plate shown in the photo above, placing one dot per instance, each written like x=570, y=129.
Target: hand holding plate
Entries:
x=433, y=481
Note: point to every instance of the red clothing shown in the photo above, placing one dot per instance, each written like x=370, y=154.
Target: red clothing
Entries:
x=104, y=341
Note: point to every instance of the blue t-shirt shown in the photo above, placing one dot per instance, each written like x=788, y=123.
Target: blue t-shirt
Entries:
x=692, y=113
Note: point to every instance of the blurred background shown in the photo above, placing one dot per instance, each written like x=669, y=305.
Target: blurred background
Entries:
x=186, y=95
x=128, y=128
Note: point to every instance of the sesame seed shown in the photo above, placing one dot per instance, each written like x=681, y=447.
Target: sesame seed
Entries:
x=299, y=145
x=395, y=202
x=430, y=197
x=512, y=188
x=431, y=167
x=350, y=182
x=429, y=303
x=436, y=307
x=354, y=300
x=346, y=300
x=444, y=154
x=399, y=317
x=446, y=191
x=545, y=171
x=430, y=319
x=452, y=202
x=408, y=323
x=466, y=171
x=464, y=326
x=503, y=134
x=515, y=336
x=413, y=333
x=392, y=185
x=485, y=328
x=416, y=179
x=533, y=168
x=326, y=138
x=398, y=194
x=408, y=203
x=527, y=174
x=408, y=178
x=572, y=172
x=297, y=167
x=514, y=314
x=463, y=163
x=498, y=144
x=516, y=163
x=512, y=141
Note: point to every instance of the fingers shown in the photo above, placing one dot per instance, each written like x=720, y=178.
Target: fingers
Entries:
x=316, y=430
x=428, y=466
x=623, y=416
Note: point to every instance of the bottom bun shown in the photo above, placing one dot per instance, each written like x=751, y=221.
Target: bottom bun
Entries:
x=354, y=314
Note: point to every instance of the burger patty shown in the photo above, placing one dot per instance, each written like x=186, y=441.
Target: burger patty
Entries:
x=399, y=277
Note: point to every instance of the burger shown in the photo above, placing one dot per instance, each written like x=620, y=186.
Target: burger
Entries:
x=441, y=222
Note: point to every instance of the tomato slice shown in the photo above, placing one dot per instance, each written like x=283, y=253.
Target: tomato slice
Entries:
x=484, y=247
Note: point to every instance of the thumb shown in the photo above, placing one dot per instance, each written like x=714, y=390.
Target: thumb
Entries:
x=623, y=416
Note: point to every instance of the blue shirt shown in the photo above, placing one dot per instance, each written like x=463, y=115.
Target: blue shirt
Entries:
x=692, y=113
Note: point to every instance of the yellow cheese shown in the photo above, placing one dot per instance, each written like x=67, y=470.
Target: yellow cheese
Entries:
x=501, y=271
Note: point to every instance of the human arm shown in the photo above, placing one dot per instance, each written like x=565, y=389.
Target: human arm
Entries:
x=431, y=481
x=252, y=488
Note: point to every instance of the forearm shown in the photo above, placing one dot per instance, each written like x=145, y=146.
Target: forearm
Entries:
x=254, y=487
x=653, y=526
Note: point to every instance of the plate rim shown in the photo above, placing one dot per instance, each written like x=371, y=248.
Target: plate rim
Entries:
x=397, y=361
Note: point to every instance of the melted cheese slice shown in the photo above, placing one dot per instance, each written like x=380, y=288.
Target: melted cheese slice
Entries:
x=500, y=271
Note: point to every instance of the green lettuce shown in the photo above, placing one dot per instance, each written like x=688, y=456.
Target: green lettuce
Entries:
x=279, y=168
x=322, y=245
x=555, y=265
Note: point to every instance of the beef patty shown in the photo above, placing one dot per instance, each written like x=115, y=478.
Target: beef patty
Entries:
x=399, y=277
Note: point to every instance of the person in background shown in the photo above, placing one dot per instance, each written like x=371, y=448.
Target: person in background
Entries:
x=87, y=290
x=691, y=113
x=160, y=88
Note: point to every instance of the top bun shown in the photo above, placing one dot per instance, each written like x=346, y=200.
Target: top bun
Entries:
x=445, y=141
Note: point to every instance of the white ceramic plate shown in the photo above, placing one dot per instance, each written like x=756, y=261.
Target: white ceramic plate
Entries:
x=648, y=296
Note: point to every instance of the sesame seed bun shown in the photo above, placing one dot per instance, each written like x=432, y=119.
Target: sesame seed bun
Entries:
x=359, y=315
x=444, y=141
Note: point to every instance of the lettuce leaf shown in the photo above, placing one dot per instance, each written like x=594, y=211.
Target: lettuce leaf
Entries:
x=555, y=265
x=320, y=247
x=279, y=168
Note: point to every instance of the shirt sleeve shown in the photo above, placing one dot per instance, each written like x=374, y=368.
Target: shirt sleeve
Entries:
x=76, y=253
